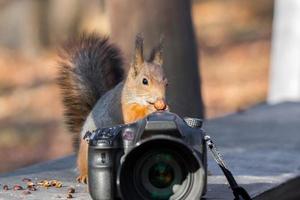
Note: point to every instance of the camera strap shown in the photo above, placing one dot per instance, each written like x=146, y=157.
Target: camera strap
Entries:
x=239, y=192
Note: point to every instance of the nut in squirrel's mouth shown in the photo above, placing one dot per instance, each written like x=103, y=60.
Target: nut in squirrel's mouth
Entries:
x=159, y=104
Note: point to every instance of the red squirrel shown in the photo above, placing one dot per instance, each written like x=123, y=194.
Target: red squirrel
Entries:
x=96, y=92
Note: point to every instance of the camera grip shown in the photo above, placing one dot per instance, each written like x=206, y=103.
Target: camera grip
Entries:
x=100, y=173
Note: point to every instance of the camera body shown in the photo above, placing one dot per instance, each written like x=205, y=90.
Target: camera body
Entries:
x=159, y=157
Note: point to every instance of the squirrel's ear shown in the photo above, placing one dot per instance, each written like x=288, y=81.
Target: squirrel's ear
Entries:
x=138, y=58
x=156, y=55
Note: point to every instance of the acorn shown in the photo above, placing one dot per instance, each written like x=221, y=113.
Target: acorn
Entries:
x=53, y=182
x=30, y=184
x=71, y=190
x=17, y=187
x=31, y=188
x=26, y=180
x=26, y=192
x=5, y=187
x=58, y=184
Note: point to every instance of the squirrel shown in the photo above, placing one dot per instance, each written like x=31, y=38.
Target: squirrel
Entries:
x=97, y=93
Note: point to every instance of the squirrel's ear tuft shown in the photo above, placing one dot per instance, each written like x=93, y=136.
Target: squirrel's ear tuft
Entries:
x=156, y=55
x=138, y=58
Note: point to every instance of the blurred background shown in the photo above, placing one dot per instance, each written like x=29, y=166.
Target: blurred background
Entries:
x=233, y=42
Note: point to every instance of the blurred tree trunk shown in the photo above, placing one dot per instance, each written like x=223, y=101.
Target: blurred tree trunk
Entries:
x=172, y=18
x=19, y=26
x=63, y=24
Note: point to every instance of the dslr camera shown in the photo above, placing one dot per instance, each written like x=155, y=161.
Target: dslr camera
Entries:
x=159, y=157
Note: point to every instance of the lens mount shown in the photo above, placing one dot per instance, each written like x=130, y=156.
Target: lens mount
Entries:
x=161, y=167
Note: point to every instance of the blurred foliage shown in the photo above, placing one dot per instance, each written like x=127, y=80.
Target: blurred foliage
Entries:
x=234, y=45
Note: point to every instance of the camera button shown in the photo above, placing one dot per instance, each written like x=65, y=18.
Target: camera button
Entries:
x=193, y=122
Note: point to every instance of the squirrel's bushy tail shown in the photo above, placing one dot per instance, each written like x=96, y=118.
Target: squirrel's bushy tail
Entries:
x=89, y=66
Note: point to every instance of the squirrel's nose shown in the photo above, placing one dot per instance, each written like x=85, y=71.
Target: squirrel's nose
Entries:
x=160, y=104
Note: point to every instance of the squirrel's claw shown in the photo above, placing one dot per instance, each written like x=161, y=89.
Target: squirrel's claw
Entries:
x=82, y=179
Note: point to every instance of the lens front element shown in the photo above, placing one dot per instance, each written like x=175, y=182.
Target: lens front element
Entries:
x=157, y=171
x=161, y=175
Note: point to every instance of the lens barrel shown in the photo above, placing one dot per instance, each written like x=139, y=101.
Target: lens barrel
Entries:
x=160, y=168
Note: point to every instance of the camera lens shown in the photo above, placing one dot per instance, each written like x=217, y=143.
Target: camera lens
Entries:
x=161, y=174
x=160, y=168
x=157, y=171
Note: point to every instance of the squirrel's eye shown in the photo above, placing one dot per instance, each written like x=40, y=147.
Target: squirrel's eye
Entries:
x=145, y=81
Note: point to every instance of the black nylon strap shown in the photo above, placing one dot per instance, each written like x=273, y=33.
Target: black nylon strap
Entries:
x=239, y=192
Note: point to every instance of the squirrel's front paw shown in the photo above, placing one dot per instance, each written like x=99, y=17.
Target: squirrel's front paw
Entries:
x=82, y=179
